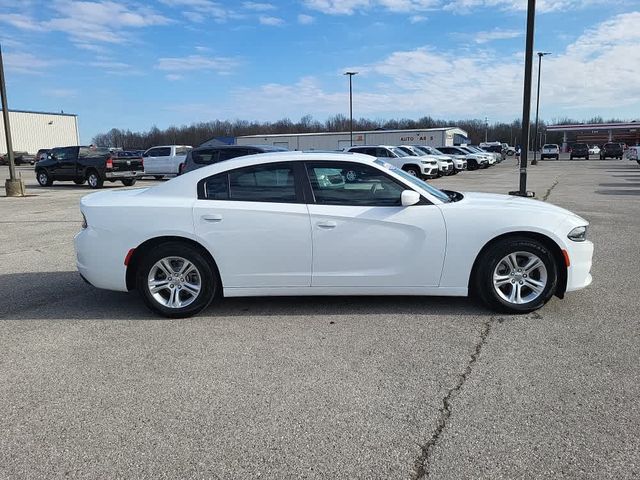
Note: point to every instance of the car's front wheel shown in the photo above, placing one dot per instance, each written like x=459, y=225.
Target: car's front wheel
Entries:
x=44, y=179
x=517, y=275
x=176, y=280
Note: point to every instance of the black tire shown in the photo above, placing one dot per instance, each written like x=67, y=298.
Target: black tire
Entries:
x=44, y=179
x=79, y=181
x=129, y=182
x=570, y=157
x=483, y=283
x=94, y=180
x=557, y=157
x=158, y=177
x=413, y=171
x=209, y=281
x=587, y=157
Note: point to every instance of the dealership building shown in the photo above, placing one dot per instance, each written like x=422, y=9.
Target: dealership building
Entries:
x=598, y=133
x=31, y=131
x=435, y=137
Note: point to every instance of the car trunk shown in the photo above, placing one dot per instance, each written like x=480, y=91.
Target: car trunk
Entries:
x=127, y=164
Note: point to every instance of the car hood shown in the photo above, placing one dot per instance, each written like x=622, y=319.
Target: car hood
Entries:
x=522, y=204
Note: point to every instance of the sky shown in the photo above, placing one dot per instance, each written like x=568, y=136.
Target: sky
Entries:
x=135, y=64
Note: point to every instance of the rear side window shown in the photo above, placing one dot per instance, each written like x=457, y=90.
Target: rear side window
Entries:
x=181, y=150
x=217, y=187
x=263, y=183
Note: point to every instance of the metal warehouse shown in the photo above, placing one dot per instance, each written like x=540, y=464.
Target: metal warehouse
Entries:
x=31, y=131
x=435, y=137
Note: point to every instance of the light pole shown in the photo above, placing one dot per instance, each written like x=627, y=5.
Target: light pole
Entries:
x=486, y=128
x=351, y=74
x=526, y=99
x=535, y=143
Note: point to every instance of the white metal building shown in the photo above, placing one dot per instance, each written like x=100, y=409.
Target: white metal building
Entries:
x=31, y=131
x=435, y=137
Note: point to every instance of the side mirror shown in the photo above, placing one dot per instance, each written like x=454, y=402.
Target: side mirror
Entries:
x=409, y=197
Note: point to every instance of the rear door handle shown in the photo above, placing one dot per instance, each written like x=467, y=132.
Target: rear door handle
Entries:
x=212, y=218
x=327, y=224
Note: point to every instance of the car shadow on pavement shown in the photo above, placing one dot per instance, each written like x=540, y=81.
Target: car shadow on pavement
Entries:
x=65, y=296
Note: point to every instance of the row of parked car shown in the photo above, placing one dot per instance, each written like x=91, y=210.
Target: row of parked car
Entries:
x=583, y=150
x=95, y=165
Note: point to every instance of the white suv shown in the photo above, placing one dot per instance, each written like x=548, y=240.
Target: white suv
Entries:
x=413, y=165
x=459, y=164
x=550, y=150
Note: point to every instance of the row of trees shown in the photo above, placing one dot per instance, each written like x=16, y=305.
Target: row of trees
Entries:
x=197, y=133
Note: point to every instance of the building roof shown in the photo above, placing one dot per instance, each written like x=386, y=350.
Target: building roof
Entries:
x=593, y=126
x=11, y=110
x=267, y=135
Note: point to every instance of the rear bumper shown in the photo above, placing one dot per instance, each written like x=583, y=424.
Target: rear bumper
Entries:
x=124, y=174
x=98, y=262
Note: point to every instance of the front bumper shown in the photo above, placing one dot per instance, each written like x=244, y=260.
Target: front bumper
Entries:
x=579, y=271
x=429, y=170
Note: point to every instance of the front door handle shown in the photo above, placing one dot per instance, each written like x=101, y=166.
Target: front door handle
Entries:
x=212, y=218
x=327, y=224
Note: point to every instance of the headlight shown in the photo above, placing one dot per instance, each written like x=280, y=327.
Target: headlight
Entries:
x=84, y=221
x=578, y=234
x=428, y=162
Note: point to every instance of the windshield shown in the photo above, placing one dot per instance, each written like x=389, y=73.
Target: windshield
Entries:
x=439, y=194
x=410, y=151
x=466, y=149
x=399, y=152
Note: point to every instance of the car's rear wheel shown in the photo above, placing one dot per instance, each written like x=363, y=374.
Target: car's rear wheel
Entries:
x=128, y=182
x=94, y=180
x=44, y=179
x=158, y=177
x=176, y=280
x=517, y=275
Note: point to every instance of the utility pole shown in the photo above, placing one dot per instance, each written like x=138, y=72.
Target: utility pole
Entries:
x=526, y=100
x=486, y=129
x=14, y=187
x=536, y=142
x=351, y=74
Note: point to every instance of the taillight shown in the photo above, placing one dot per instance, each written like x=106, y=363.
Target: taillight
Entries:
x=181, y=168
x=109, y=163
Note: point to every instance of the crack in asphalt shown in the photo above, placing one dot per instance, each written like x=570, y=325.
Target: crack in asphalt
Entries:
x=423, y=463
x=550, y=189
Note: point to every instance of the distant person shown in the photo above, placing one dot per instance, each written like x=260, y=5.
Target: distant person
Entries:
x=518, y=152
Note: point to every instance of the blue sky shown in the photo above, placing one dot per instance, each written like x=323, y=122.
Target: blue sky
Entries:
x=134, y=64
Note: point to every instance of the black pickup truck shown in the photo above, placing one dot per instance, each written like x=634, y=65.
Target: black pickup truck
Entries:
x=93, y=165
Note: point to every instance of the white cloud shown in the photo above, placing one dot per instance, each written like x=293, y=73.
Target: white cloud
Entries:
x=199, y=10
x=496, y=34
x=418, y=19
x=258, y=7
x=221, y=65
x=598, y=71
x=349, y=7
x=25, y=63
x=172, y=77
x=272, y=21
x=18, y=20
x=305, y=19
x=60, y=92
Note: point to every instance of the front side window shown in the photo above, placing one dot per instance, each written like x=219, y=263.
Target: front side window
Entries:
x=355, y=184
x=162, y=152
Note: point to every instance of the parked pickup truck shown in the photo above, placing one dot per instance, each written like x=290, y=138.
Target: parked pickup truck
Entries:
x=164, y=160
x=87, y=164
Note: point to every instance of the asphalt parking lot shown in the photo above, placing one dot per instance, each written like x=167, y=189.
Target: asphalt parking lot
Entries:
x=95, y=386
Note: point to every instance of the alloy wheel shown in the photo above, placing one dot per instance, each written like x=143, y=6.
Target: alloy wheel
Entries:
x=174, y=282
x=520, y=277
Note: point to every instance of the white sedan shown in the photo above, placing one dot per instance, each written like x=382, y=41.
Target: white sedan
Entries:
x=289, y=224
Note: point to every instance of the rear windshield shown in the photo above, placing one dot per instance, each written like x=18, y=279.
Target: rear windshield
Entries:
x=204, y=157
x=550, y=145
x=93, y=151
